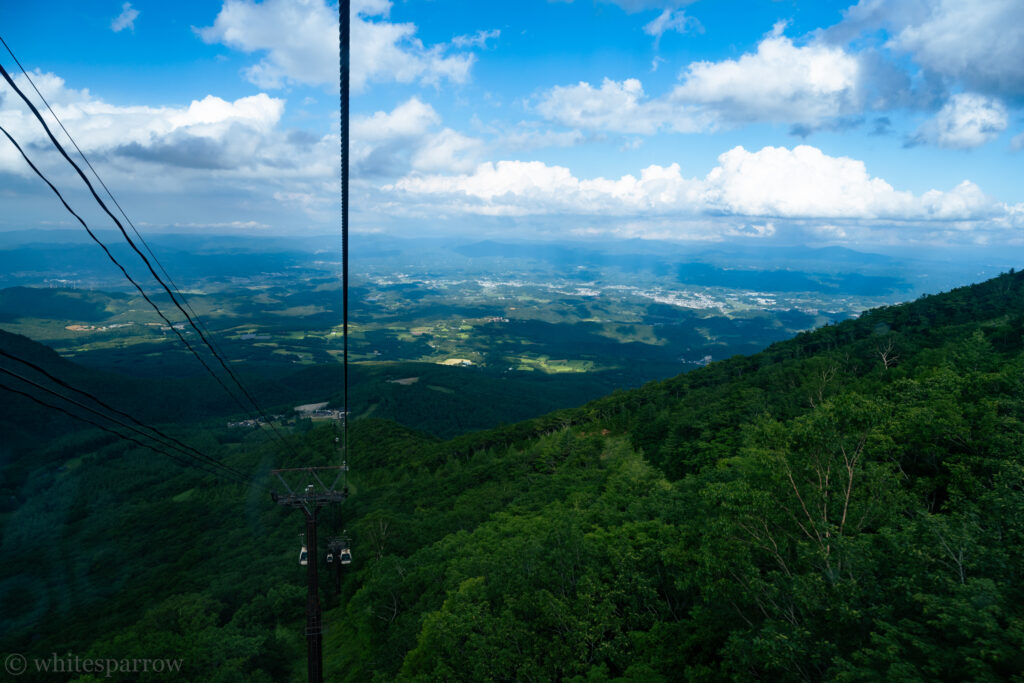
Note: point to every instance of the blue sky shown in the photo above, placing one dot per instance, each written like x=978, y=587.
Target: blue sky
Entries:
x=867, y=124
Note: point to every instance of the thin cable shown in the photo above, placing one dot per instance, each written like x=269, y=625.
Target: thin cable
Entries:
x=344, y=35
x=177, y=458
x=60, y=148
x=97, y=240
x=165, y=437
x=110, y=194
x=206, y=466
x=88, y=421
x=142, y=256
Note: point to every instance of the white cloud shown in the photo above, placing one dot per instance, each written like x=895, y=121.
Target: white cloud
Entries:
x=411, y=118
x=773, y=183
x=671, y=20
x=173, y=146
x=126, y=19
x=967, y=120
x=805, y=182
x=964, y=202
x=478, y=39
x=300, y=38
x=490, y=180
x=100, y=126
x=233, y=160
x=393, y=143
x=447, y=150
x=781, y=82
x=620, y=107
x=260, y=112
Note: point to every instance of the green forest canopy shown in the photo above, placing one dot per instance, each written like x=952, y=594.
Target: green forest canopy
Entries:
x=847, y=505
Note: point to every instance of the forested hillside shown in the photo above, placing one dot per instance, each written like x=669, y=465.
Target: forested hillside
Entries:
x=847, y=505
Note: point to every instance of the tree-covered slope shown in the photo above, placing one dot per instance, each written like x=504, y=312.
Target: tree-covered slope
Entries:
x=847, y=505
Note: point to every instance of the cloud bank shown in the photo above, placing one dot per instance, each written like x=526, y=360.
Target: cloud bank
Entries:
x=774, y=182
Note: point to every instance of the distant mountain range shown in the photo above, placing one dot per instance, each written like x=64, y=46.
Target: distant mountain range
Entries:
x=37, y=256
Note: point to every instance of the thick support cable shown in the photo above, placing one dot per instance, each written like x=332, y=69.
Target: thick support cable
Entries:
x=344, y=64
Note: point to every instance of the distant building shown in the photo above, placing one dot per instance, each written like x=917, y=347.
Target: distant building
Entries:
x=319, y=411
x=462, y=362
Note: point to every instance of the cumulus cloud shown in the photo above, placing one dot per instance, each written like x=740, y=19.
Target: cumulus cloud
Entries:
x=126, y=19
x=772, y=183
x=407, y=138
x=300, y=39
x=967, y=120
x=810, y=85
x=803, y=182
x=206, y=127
x=410, y=119
x=779, y=82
